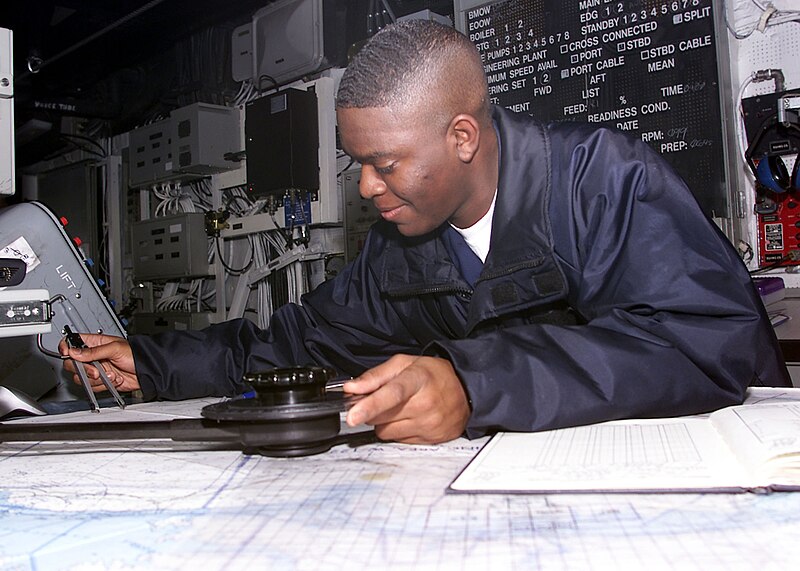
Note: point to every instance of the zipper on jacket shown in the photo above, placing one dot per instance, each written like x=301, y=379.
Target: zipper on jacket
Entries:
x=463, y=291
x=511, y=269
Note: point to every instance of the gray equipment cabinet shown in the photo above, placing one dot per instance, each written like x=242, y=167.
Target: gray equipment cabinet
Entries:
x=31, y=232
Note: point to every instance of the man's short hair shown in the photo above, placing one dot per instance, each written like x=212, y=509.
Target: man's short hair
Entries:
x=407, y=61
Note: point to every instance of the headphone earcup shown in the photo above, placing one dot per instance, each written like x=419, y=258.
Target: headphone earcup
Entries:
x=773, y=174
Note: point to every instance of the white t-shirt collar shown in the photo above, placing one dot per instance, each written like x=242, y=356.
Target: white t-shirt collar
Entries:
x=479, y=235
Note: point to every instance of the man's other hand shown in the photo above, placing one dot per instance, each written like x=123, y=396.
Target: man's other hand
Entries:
x=411, y=399
x=114, y=353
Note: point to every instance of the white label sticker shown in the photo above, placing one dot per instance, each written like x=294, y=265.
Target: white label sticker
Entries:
x=21, y=250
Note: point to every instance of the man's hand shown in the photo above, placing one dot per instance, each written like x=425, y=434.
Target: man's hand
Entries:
x=115, y=355
x=415, y=400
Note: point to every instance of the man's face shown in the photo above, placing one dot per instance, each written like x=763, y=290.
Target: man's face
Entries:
x=409, y=168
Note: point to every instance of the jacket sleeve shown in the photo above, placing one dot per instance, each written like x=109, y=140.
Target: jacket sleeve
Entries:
x=341, y=324
x=673, y=323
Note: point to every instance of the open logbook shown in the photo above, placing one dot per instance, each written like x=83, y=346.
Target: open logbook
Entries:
x=753, y=447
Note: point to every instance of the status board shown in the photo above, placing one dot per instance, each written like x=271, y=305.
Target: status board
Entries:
x=648, y=67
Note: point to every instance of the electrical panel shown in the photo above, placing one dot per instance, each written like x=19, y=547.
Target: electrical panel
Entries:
x=289, y=39
x=282, y=143
x=192, y=143
x=170, y=247
x=765, y=134
x=766, y=69
x=778, y=213
x=150, y=154
x=30, y=232
x=779, y=228
x=290, y=34
x=359, y=214
x=242, y=53
x=202, y=135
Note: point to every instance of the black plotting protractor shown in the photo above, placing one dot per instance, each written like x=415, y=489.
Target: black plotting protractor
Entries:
x=293, y=412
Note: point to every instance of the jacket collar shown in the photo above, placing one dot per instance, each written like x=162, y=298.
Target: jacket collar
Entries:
x=521, y=224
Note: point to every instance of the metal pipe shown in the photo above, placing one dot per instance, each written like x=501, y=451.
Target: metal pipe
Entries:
x=93, y=37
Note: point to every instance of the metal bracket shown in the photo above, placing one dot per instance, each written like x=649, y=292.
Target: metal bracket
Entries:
x=785, y=104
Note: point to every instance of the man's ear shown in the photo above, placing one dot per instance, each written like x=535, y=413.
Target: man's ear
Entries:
x=466, y=133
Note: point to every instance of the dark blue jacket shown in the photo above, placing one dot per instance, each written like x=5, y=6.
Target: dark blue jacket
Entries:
x=606, y=294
